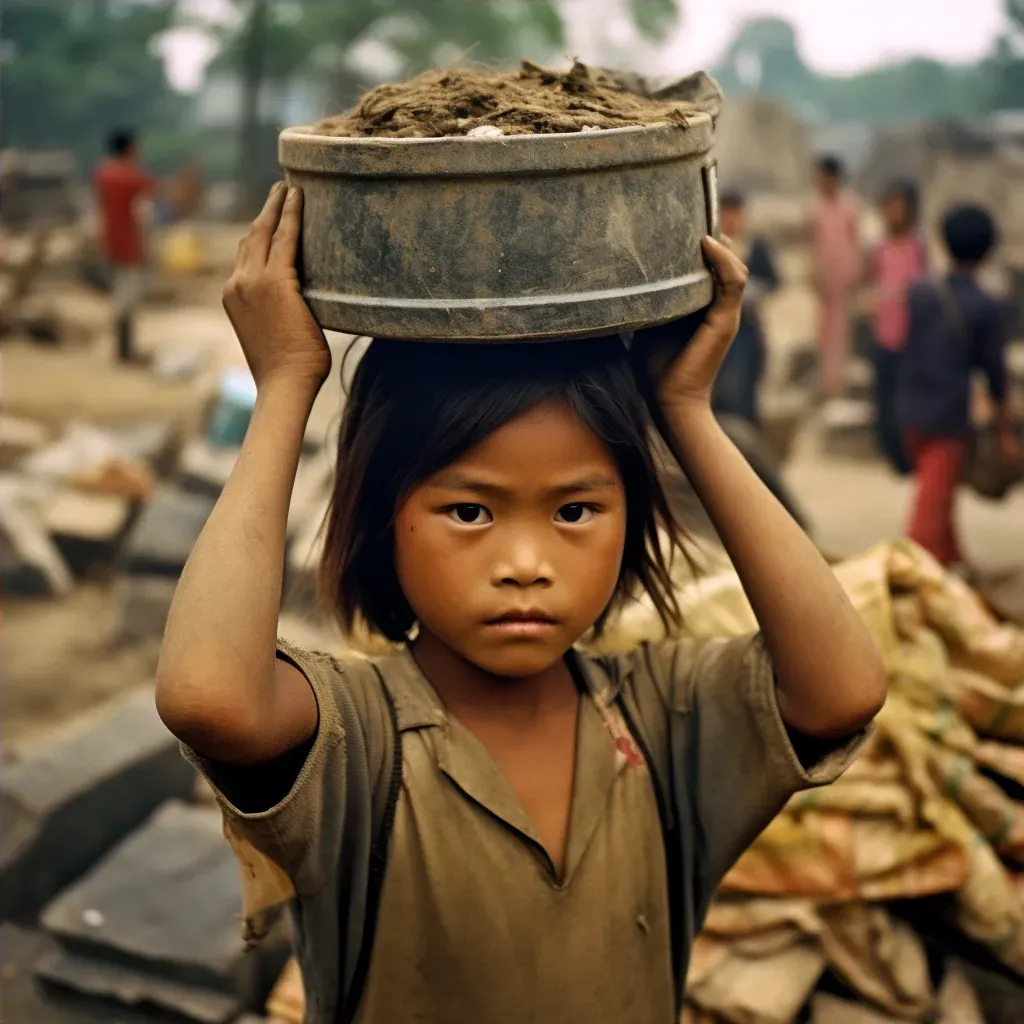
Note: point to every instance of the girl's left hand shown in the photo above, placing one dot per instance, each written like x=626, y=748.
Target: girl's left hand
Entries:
x=688, y=379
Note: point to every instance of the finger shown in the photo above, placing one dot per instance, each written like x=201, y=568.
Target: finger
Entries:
x=722, y=321
x=285, y=243
x=730, y=271
x=255, y=247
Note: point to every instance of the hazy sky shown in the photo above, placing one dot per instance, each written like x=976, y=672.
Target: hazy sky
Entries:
x=841, y=36
x=835, y=35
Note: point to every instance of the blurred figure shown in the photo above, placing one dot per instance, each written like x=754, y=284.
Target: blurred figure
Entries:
x=837, y=272
x=740, y=375
x=120, y=181
x=954, y=327
x=897, y=262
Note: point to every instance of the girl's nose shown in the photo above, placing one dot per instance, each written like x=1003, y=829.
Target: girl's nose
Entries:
x=524, y=566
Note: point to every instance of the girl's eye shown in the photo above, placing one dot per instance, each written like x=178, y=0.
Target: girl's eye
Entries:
x=469, y=515
x=575, y=513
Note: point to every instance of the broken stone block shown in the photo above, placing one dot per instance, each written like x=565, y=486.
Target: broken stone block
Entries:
x=87, y=528
x=98, y=983
x=27, y=1001
x=144, y=603
x=163, y=906
x=64, y=805
x=166, y=532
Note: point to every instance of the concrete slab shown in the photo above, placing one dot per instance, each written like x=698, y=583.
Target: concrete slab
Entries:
x=110, y=984
x=27, y=1001
x=66, y=803
x=144, y=602
x=166, y=531
x=165, y=905
x=87, y=528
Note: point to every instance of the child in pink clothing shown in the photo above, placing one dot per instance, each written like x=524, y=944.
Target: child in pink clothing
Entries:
x=897, y=262
x=837, y=272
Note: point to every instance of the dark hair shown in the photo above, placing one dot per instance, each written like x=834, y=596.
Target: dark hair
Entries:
x=906, y=190
x=732, y=199
x=969, y=233
x=416, y=406
x=120, y=141
x=832, y=166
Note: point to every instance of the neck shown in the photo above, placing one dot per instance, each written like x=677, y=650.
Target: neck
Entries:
x=965, y=269
x=466, y=689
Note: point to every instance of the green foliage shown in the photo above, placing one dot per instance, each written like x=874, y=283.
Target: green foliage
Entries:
x=654, y=18
x=912, y=90
x=75, y=69
x=306, y=38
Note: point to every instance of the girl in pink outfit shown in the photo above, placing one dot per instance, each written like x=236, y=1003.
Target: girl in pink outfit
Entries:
x=837, y=272
x=897, y=262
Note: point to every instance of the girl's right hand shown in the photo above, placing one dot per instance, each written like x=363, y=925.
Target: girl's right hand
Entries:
x=263, y=300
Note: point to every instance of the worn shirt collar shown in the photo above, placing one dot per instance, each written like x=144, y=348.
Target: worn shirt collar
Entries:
x=418, y=706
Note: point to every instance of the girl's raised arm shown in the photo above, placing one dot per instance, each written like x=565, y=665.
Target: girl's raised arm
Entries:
x=829, y=676
x=220, y=686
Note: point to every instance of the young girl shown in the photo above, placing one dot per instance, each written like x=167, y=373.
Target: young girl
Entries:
x=897, y=262
x=487, y=825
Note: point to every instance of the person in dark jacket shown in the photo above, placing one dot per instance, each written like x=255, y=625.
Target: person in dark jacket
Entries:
x=740, y=376
x=955, y=328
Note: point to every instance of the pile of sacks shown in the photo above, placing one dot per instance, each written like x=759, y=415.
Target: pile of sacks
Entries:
x=925, y=810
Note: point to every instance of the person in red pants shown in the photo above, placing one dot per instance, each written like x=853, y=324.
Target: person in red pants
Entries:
x=954, y=329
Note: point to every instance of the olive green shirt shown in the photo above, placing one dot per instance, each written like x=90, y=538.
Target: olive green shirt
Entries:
x=473, y=924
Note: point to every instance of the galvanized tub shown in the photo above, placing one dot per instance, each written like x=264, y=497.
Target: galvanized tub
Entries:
x=505, y=238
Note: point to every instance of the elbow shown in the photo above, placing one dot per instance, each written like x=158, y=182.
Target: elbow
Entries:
x=875, y=690
x=867, y=695
x=849, y=704
x=202, y=715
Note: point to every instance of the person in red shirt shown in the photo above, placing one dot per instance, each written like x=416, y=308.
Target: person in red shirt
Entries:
x=120, y=182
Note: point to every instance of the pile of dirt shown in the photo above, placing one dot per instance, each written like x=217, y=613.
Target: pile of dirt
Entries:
x=532, y=100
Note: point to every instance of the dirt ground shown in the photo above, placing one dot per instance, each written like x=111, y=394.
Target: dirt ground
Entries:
x=62, y=657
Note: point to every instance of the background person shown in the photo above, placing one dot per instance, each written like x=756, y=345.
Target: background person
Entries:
x=837, y=271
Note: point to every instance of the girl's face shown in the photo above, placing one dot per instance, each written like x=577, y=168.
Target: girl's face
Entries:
x=510, y=554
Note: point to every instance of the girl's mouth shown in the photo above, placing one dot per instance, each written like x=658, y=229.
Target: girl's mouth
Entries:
x=525, y=623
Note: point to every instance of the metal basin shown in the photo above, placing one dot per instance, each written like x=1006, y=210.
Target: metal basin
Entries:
x=498, y=239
